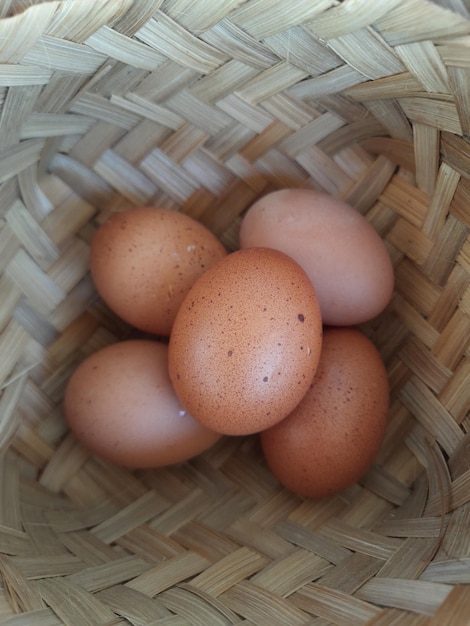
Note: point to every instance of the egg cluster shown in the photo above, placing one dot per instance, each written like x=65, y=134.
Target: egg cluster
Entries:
x=260, y=340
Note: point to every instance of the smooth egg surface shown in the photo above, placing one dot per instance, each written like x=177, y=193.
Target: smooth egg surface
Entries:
x=340, y=251
x=333, y=436
x=143, y=262
x=120, y=404
x=246, y=342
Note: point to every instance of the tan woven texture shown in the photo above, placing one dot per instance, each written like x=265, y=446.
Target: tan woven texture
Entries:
x=203, y=106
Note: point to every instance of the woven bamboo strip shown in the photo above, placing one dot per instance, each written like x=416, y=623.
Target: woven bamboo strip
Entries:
x=64, y=598
x=402, y=25
x=334, y=605
x=262, y=606
x=41, y=617
x=227, y=572
x=135, y=606
x=396, y=617
x=454, y=608
x=423, y=596
x=167, y=574
x=187, y=603
x=253, y=18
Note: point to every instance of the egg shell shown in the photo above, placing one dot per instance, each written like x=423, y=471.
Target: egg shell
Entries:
x=341, y=252
x=143, y=262
x=333, y=436
x=246, y=342
x=120, y=404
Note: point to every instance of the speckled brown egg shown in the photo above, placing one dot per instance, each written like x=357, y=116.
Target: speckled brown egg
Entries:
x=246, y=342
x=143, y=262
x=333, y=436
x=120, y=404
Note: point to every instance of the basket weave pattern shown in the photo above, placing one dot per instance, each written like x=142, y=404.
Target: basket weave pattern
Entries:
x=203, y=106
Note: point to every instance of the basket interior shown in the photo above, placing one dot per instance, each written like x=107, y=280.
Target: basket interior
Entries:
x=203, y=107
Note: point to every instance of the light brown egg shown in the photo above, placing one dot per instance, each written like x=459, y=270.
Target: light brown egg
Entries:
x=246, y=342
x=143, y=262
x=120, y=404
x=343, y=255
x=333, y=436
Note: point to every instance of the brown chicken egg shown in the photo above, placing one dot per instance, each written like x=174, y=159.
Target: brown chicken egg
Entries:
x=332, y=437
x=343, y=255
x=143, y=262
x=246, y=342
x=120, y=404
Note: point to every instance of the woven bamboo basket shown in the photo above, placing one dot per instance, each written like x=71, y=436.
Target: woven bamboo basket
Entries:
x=203, y=106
